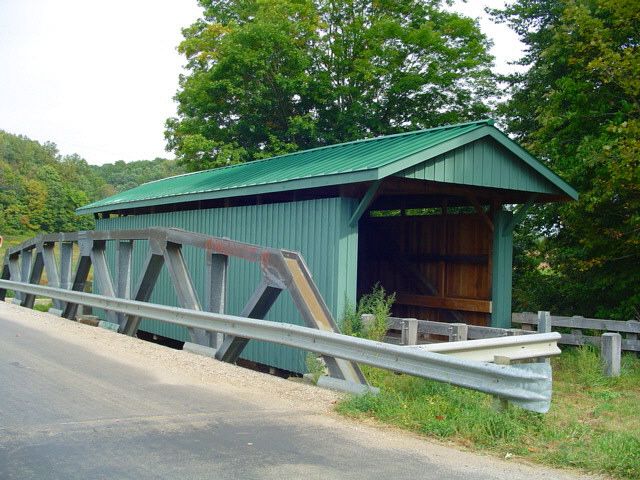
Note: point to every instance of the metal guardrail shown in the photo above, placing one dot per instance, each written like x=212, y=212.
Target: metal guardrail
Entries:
x=527, y=385
x=522, y=347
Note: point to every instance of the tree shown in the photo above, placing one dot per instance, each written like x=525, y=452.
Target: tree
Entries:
x=578, y=108
x=270, y=76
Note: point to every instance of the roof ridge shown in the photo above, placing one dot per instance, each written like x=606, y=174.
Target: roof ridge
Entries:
x=485, y=121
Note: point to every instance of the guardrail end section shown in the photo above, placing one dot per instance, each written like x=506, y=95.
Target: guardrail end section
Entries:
x=541, y=388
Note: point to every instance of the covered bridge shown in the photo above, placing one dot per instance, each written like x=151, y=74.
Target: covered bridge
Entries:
x=422, y=213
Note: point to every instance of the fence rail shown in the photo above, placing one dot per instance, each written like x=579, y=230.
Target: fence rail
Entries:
x=452, y=331
x=610, y=342
x=630, y=329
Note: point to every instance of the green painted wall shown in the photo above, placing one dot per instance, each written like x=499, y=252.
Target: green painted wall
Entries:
x=501, y=269
x=319, y=229
x=483, y=163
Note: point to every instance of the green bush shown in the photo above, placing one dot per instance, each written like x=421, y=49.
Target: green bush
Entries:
x=376, y=303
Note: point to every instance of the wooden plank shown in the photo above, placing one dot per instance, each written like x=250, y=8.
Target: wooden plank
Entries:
x=425, y=327
x=476, y=332
x=630, y=326
x=435, y=257
x=568, y=339
x=452, y=303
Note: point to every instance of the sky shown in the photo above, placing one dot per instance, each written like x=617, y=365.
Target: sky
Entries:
x=98, y=78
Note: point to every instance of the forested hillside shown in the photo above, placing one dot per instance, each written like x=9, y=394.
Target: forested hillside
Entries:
x=125, y=175
x=40, y=189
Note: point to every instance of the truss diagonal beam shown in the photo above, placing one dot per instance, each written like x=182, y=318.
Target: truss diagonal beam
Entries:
x=34, y=277
x=79, y=281
x=257, y=307
x=144, y=288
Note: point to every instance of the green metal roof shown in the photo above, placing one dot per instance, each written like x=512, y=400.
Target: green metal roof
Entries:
x=358, y=161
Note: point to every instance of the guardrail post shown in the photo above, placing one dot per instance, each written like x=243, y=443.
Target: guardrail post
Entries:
x=409, y=335
x=500, y=404
x=458, y=332
x=610, y=353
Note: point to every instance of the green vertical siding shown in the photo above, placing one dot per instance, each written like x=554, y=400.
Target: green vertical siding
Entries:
x=316, y=228
x=483, y=163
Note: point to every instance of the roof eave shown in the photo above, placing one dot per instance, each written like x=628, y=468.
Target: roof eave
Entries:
x=304, y=183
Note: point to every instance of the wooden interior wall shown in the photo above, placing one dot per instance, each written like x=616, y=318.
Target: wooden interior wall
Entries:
x=429, y=261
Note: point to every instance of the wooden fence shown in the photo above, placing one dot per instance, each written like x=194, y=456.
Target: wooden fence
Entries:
x=605, y=334
x=584, y=331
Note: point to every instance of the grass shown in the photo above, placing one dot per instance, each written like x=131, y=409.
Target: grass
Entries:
x=593, y=423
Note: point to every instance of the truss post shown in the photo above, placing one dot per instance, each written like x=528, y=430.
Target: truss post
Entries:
x=124, y=250
x=215, y=290
x=25, y=270
x=51, y=269
x=101, y=275
x=66, y=260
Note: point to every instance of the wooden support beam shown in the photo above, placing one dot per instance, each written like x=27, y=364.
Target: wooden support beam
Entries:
x=364, y=203
x=519, y=214
x=485, y=218
x=449, y=303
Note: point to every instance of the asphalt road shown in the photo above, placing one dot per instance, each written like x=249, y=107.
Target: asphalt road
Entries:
x=77, y=403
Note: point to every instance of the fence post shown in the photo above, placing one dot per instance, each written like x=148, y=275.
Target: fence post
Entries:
x=544, y=322
x=610, y=352
x=409, y=331
x=544, y=326
x=458, y=332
